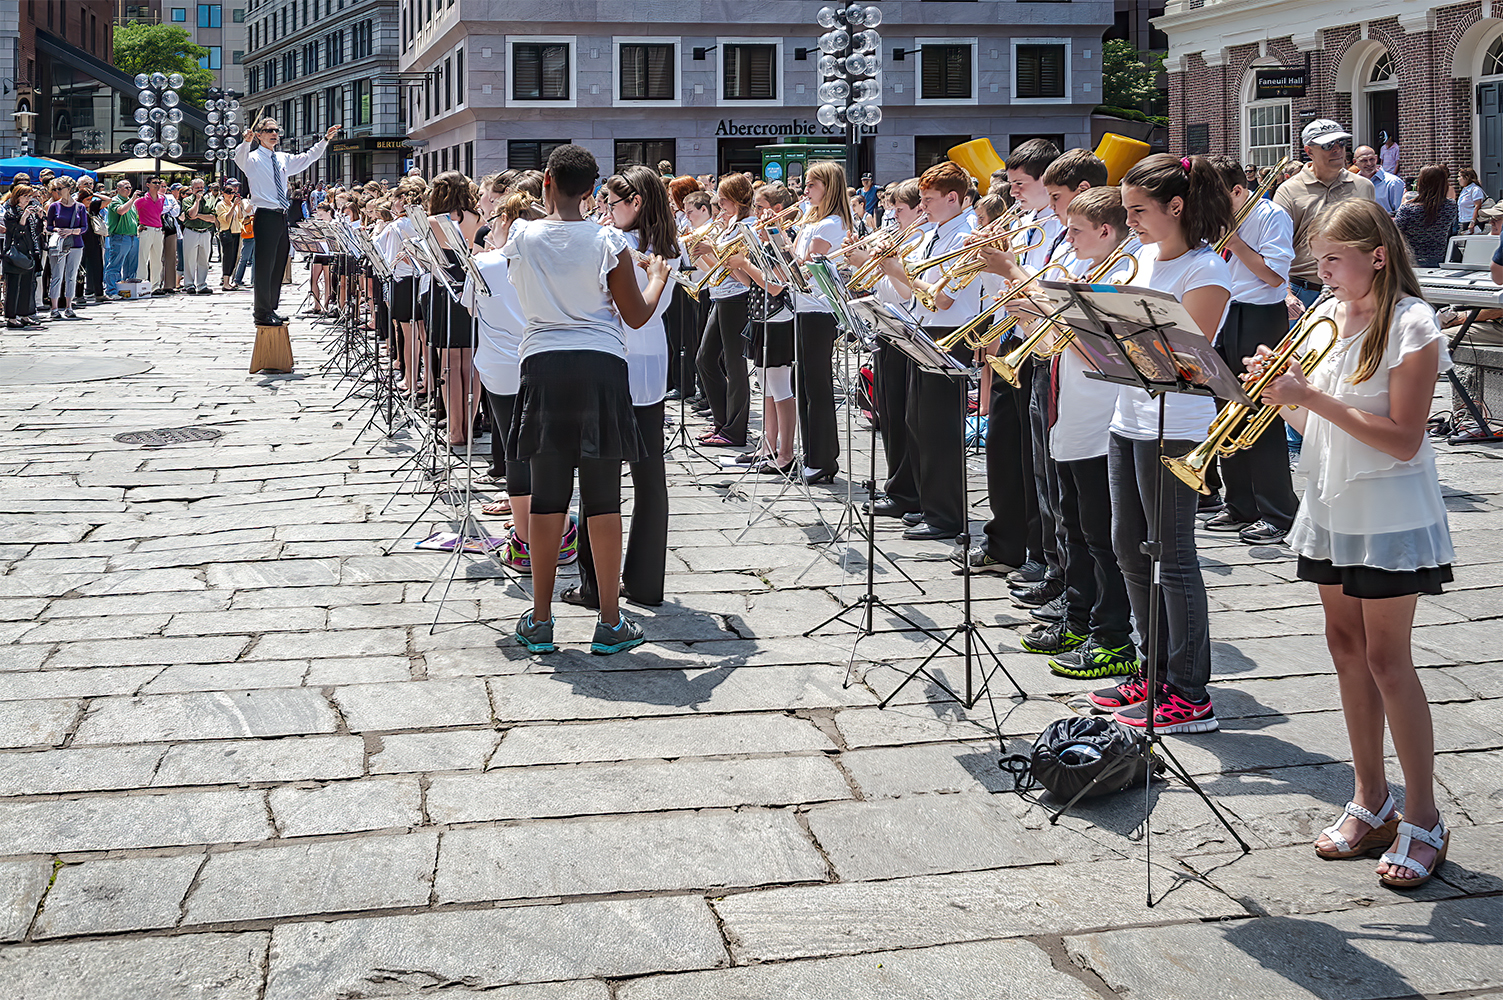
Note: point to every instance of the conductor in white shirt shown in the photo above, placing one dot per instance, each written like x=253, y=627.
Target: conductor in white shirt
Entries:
x=268, y=170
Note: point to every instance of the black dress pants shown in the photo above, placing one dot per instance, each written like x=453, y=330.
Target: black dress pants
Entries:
x=936, y=427
x=646, y=558
x=893, y=369
x=1009, y=475
x=814, y=383
x=722, y=368
x=1045, y=473
x=93, y=266
x=1095, y=590
x=1256, y=481
x=271, y=260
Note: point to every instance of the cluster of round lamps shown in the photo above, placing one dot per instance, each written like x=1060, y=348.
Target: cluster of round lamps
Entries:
x=158, y=115
x=223, y=131
x=850, y=60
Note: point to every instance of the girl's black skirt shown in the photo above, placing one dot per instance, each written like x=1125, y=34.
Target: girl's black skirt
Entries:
x=1371, y=584
x=576, y=404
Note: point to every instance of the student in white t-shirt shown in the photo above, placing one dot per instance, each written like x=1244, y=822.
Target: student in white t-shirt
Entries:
x=1175, y=206
x=1260, y=500
x=637, y=202
x=577, y=284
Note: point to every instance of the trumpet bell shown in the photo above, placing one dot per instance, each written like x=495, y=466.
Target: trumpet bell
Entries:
x=1120, y=153
x=979, y=159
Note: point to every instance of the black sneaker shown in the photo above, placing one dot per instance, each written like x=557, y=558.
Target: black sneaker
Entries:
x=1092, y=661
x=1031, y=571
x=1211, y=504
x=1051, y=639
x=1039, y=594
x=980, y=561
x=1052, y=612
x=1262, y=533
x=1225, y=521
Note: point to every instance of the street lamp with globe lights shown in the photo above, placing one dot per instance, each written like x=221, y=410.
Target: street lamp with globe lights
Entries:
x=850, y=63
x=158, y=116
x=222, y=110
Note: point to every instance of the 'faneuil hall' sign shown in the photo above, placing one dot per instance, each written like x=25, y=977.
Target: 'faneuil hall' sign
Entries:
x=795, y=126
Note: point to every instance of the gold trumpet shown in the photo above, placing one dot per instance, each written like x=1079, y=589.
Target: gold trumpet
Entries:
x=1010, y=365
x=899, y=242
x=709, y=231
x=674, y=274
x=971, y=333
x=926, y=296
x=1239, y=425
x=718, y=271
x=1251, y=203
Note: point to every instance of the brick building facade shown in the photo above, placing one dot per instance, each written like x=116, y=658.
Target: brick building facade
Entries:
x=1432, y=74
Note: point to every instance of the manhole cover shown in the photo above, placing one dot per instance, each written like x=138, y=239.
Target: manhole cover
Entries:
x=168, y=435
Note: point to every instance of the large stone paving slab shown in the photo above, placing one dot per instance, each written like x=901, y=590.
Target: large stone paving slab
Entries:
x=1391, y=951
x=541, y=944
x=708, y=850
x=981, y=971
x=118, y=822
x=118, y=894
x=207, y=716
x=193, y=967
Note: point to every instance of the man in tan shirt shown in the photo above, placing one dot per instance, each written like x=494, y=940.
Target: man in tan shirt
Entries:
x=1323, y=182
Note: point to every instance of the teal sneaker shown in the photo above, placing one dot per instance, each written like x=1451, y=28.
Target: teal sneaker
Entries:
x=1052, y=639
x=624, y=636
x=536, y=636
x=1091, y=661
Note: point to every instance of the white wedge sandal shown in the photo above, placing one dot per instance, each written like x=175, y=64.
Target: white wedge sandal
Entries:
x=1383, y=828
x=1437, y=837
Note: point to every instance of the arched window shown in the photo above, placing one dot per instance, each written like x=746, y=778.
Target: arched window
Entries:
x=1492, y=62
x=1382, y=73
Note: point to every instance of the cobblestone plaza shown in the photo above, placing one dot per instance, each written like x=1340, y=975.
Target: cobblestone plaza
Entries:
x=240, y=763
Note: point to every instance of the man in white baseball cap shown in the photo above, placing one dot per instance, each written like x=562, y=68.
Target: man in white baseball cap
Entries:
x=1323, y=182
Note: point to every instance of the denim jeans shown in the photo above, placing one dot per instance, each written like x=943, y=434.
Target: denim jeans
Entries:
x=64, y=276
x=119, y=261
x=1184, y=635
x=247, y=259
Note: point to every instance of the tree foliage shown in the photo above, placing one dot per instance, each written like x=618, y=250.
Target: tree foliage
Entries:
x=161, y=48
x=1127, y=75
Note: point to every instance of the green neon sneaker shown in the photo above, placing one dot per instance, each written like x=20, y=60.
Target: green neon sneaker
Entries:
x=1054, y=638
x=1091, y=661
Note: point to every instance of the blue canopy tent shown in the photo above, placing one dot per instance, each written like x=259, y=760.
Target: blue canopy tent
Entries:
x=34, y=165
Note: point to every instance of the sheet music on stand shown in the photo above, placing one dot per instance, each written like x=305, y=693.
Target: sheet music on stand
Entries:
x=461, y=246
x=1143, y=337
x=826, y=278
x=430, y=239
x=379, y=267
x=423, y=257
x=896, y=325
x=788, y=270
x=305, y=238
x=338, y=237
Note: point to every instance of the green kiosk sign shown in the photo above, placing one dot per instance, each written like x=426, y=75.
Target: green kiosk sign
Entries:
x=785, y=160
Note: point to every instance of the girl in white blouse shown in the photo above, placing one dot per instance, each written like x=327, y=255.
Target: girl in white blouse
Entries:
x=1371, y=530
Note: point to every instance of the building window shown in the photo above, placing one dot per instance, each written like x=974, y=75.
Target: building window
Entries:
x=179, y=15
x=646, y=72
x=931, y=149
x=310, y=113
x=237, y=57
x=237, y=15
x=362, y=102
x=333, y=105
x=210, y=15
x=448, y=77
x=469, y=159
x=1041, y=70
x=749, y=72
x=1492, y=63
x=947, y=72
x=647, y=152
x=460, y=87
x=215, y=58
x=1268, y=132
x=531, y=154
x=540, y=71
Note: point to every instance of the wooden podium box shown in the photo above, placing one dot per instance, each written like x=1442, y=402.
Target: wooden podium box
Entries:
x=273, y=350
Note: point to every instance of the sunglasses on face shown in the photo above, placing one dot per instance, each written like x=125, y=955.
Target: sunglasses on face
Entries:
x=271, y=131
x=1328, y=146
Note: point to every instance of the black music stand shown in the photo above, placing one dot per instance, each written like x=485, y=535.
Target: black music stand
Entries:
x=858, y=318
x=897, y=326
x=1146, y=339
